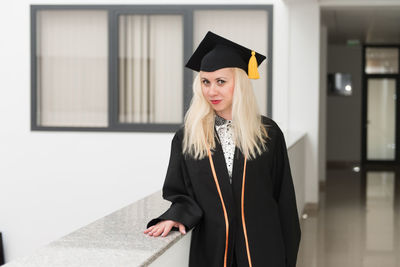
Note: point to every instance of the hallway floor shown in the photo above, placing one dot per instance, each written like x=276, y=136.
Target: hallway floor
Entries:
x=358, y=222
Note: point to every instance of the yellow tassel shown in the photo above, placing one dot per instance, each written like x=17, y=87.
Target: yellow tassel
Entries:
x=253, y=70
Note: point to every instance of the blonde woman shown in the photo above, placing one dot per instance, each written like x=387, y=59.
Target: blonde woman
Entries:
x=229, y=179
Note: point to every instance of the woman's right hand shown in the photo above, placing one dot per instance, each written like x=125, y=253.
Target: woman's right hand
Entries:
x=164, y=227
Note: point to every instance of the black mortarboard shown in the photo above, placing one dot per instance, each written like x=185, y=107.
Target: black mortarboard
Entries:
x=215, y=52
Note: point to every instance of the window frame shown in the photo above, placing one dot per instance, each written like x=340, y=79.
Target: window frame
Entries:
x=113, y=11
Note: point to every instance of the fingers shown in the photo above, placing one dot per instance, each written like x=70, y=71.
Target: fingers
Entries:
x=156, y=229
x=159, y=230
x=167, y=229
x=163, y=228
x=149, y=229
x=182, y=228
x=152, y=229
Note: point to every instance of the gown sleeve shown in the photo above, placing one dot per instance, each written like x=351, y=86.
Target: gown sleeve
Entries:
x=184, y=208
x=286, y=199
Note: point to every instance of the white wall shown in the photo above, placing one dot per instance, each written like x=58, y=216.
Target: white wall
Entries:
x=280, y=68
x=177, y=255
x=303, y=92
x=297, y=160
x=55, y=182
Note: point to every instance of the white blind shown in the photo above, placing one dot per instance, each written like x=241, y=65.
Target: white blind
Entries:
x=72, y=71
x=150, y=68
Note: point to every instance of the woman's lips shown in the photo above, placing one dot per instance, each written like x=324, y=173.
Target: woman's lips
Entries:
x=215, y=101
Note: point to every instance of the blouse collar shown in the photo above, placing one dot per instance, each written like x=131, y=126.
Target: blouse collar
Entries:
x=220, y=121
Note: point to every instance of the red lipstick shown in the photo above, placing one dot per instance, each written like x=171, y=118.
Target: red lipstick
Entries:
x=215, y=101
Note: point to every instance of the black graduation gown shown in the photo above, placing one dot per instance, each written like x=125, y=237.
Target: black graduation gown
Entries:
x=270, y=210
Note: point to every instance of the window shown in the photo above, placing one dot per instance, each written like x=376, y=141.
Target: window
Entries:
x=150, y=52
x=381, y=60
x=71, y=62
x=121, y=68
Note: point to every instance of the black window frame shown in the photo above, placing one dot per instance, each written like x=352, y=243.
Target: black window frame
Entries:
x=113, y=11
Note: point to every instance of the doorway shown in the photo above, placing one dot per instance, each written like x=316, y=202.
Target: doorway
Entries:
x=380, y=105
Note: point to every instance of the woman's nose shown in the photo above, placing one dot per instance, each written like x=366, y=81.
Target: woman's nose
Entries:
x=212, y=90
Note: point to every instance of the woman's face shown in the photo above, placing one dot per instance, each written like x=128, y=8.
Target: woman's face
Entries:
x=217, y=88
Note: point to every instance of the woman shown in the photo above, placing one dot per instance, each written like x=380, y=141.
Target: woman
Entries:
x=229, y=177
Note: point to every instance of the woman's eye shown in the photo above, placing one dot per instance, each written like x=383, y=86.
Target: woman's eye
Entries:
x=221, y=81
x=205, y=82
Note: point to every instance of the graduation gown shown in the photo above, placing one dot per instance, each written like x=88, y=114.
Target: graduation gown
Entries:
x=271, y=235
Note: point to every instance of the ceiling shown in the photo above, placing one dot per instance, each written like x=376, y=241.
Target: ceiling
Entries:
x=377, y=24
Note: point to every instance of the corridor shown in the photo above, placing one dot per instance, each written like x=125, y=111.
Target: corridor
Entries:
x=358, y=223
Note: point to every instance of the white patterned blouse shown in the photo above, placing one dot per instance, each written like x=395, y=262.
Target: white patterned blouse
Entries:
x=225, y=132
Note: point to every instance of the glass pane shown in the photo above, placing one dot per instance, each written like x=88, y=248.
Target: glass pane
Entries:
x=72, y=68
x=382, y=60
x=150, y=68
x=381, y=118
x=244, y=27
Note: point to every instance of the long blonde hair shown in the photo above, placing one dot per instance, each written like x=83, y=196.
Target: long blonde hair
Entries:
x=249, y=133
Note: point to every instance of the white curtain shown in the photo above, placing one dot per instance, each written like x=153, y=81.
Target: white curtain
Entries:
x=72, y=71
x=246, y=27
x=150, y=68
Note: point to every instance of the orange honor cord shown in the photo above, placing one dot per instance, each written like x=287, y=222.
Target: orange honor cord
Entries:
x=223, y=206
x=243, y=220
x=225, y=213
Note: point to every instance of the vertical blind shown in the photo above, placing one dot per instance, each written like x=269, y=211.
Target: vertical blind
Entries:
x=150, y=68
x=72, y=68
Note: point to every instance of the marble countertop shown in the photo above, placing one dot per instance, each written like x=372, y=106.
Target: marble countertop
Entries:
x=114, y=240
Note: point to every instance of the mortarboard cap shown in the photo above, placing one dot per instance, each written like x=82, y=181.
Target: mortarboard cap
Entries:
x=215, y=52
